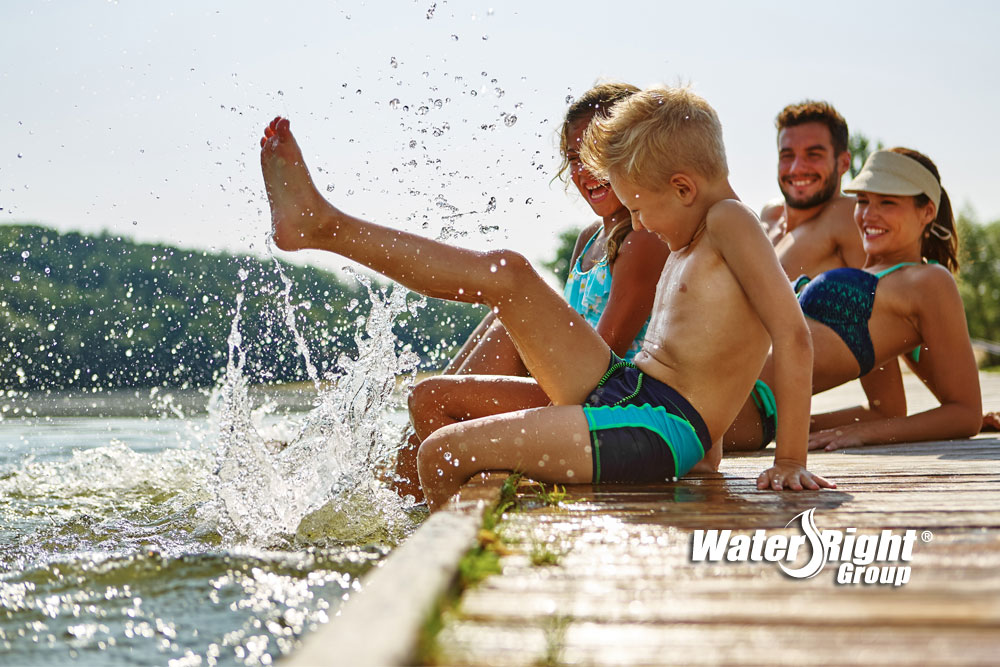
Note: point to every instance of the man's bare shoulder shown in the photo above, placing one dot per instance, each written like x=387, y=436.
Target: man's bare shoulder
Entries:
x=839, y=212
x=772, y=211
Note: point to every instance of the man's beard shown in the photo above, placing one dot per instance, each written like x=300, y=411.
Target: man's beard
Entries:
x=831, y=185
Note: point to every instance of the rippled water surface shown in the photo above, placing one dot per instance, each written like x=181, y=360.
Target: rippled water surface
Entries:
x=197, y=529
x=109, y=553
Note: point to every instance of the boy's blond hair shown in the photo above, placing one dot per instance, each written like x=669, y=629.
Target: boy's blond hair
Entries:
x=653, y=134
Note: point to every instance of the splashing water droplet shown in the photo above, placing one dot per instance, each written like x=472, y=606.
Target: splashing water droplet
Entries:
x=447, y=456
x=422, y=111
x=529, y=201
x=25, y=255
x=493, y=268
x=485, y=37
x=20, y=155
x=330, y=187
x=392, y=62
x=394, y=103
x=510, y=120
x=242, y=273
x=430, y=11
x=569, y=99
x=454, y=38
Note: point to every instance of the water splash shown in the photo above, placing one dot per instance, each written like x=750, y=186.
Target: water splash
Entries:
x=323, y=485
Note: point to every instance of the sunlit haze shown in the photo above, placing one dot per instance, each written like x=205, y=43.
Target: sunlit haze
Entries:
x=143, y=119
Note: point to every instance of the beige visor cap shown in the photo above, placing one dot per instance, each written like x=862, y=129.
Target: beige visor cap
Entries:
x=888, y=173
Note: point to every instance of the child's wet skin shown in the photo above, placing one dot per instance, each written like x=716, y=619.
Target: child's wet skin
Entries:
x=297, y=208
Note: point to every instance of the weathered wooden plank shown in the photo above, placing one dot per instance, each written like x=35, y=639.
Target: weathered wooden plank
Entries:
x=626, y=592
x=713, y=644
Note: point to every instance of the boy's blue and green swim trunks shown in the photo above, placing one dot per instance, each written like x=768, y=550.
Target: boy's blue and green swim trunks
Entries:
x=641, y=429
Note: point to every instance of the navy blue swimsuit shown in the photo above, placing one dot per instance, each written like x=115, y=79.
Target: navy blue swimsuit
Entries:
x=842, y=299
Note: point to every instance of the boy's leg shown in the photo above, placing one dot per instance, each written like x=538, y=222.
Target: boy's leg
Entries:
x=564, y=354
x=406, y=481
x=440, y=401
x=746, y=434
x=549, y=444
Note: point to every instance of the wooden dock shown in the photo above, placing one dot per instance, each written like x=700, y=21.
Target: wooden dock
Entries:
x=608, y=577
x=624, y=590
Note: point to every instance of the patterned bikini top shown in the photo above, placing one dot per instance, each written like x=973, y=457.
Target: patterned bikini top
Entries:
x=842, y=299
x=587, y=293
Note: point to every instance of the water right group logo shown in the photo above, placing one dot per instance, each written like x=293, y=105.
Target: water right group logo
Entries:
x=881, y=558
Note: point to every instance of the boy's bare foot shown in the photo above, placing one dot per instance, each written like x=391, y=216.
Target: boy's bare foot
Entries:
x=298, y=211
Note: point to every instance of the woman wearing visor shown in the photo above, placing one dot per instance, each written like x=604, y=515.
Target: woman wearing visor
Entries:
x=903, y=302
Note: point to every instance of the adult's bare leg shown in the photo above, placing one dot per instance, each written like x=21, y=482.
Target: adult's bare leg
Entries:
x=494, y=354
x=440, y=401
x=565, y=355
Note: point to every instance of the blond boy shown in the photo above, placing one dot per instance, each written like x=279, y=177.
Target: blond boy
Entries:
x=722, y=301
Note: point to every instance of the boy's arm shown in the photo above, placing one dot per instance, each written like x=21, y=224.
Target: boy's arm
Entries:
x=751, y=258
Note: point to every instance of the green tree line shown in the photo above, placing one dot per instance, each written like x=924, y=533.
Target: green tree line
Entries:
x=82, y=310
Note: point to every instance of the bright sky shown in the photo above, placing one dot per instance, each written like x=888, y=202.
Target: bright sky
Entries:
x=143, y=118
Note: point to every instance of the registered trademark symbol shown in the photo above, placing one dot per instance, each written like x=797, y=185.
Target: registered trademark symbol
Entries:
x=926, y=536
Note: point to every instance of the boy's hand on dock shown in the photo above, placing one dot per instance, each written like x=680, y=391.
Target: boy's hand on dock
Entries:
x=791, y=475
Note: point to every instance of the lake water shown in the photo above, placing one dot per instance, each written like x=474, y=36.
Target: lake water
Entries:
x=198, y=528
x=114, y=550
x=156, y=527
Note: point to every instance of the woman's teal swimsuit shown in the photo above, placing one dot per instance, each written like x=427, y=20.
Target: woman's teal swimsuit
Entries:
x=642, y=430
x=588, y=292
x=842, y=299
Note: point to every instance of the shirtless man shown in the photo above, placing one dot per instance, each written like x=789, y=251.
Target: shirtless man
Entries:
x=813, y=228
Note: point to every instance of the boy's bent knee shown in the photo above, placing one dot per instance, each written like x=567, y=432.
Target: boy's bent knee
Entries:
x=430, y=456
x=512, y=271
